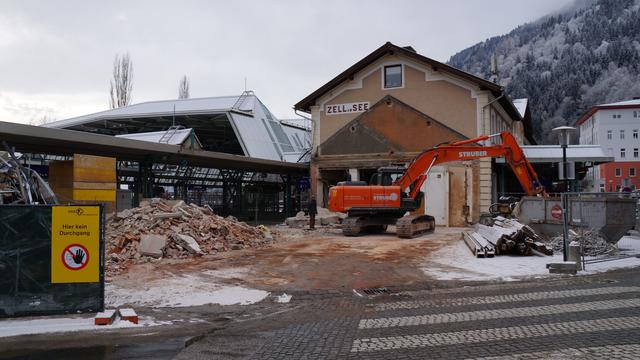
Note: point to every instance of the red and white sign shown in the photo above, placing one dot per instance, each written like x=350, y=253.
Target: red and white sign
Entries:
x=556, y=212
x=339, y=109
x=75, y=257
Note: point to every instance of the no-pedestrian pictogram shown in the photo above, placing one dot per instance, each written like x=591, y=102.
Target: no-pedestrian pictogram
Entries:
x=75, y=257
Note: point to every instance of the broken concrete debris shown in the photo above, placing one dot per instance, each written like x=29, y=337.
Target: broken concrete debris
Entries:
x=172, y=229
x=505, y=236
x=324, y=218
x=593, y=244
x=152, y=245
x=188, y=243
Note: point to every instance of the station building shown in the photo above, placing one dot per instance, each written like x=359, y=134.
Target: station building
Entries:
x=394, y=103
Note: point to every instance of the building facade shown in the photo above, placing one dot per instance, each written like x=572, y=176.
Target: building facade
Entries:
x=615, y=127
x=393, y=104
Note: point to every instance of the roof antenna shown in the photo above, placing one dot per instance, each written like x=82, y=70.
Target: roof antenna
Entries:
x=245, y=83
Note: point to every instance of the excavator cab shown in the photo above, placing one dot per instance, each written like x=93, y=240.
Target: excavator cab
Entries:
x=387, y=175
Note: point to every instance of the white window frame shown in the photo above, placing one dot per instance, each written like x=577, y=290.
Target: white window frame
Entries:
x=635, y=133
x=621, y=134
x=632, y=174
x=609, y=134
x=623, y=153
x=618, y=172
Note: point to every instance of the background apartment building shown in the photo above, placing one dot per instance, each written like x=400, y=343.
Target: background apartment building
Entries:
x=615, y=127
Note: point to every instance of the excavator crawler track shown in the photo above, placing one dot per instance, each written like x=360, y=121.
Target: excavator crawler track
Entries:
x=352, y=226
x=411, y=226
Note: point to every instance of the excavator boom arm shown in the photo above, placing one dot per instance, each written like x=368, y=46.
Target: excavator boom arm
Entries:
x=415, y=175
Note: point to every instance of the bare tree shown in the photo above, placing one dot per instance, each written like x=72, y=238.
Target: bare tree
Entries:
x=122, y=82
x=45, y=119
x=183, y=88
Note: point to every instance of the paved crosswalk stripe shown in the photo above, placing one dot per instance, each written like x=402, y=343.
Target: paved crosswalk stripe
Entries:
x=631, y=351
x=505, y=298
x=496, y=313
x=494, y=334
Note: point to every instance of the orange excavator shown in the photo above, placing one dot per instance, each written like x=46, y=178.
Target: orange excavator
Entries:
x=394, y=191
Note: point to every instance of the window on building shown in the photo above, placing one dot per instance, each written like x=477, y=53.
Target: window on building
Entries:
x=618, y=188
x=392, y=76
x=635, y=153
x=632, y=172
x=618, y=172
x=623, y=152
x=621, y=134
x=635, y=114
x=609, y=134
x=601, y=187
x=635, y=133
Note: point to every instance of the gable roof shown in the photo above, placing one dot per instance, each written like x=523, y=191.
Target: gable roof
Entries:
x=627, y=104
x=387, y=49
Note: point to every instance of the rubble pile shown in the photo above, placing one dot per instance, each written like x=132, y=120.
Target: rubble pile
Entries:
x=593, y=244
x=505, y=236
x=159, y=229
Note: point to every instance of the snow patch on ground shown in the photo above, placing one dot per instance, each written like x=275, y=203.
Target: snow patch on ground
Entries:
x=180, y=291
x=455, y=262
x=63, y=324
x=284, y=298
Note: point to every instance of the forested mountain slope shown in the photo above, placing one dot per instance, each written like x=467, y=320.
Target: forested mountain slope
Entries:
x=567, y=62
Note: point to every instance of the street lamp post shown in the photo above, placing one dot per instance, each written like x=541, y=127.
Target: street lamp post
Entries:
x=564, y=137
x=564, y=134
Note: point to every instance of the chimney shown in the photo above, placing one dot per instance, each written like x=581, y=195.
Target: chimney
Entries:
x=410, y=48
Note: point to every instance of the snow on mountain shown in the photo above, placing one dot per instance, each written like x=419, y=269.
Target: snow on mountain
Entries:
x=565, y=63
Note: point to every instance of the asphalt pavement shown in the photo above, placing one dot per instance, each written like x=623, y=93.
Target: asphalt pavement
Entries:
x=584, y=317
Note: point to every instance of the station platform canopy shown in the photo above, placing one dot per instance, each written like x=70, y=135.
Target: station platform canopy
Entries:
x=553, y=153
x=43, y=140
x=239, y=124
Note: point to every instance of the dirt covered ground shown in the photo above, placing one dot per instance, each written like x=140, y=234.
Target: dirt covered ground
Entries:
x=300, y=260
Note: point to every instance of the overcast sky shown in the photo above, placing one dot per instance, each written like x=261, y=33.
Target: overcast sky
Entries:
x=56, y=56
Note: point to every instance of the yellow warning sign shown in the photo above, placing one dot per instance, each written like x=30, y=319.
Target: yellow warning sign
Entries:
x=75, y=244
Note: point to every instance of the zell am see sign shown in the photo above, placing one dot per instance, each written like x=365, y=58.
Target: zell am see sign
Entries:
x=75, y=244
x=339, y=109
